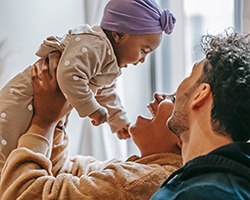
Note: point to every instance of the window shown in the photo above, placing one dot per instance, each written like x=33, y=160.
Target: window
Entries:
x=204, y=17
x=179, y=51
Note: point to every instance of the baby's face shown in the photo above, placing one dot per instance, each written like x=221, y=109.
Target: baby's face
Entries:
x=135, y=47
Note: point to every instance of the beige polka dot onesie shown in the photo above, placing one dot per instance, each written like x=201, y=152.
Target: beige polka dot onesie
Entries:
x=87, y=73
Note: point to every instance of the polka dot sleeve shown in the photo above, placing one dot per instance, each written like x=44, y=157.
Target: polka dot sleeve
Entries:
x=86, y=65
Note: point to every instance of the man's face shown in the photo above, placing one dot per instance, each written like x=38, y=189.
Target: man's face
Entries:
x=179, y=121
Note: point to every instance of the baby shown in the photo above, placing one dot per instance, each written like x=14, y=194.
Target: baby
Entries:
x=90, y=62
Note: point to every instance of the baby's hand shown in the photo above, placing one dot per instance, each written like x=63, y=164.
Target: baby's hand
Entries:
x=123, y=133
x=99, y=116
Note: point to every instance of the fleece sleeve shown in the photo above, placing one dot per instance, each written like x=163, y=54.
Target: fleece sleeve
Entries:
x=27, y=174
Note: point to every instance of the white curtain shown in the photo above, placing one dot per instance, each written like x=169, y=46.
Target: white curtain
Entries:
x=8, y=58
x=246, y=17
x=169, y=58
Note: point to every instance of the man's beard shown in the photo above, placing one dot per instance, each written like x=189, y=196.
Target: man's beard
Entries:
x=179, y=120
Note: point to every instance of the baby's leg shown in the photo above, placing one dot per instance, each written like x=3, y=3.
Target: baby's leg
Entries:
x=16, y=111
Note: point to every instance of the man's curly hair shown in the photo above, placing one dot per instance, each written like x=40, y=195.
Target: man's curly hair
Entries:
x=227, y=71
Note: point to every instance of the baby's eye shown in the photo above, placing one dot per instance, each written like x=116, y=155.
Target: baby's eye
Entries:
x=143, y=51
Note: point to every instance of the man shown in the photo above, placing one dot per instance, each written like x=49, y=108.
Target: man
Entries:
x=212, y=118
x=30, y=174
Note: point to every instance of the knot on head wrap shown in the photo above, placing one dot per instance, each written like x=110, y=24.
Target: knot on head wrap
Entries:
x=137, y=17
x=167, y=21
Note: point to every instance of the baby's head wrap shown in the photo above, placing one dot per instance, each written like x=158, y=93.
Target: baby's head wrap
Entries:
x=137, y=17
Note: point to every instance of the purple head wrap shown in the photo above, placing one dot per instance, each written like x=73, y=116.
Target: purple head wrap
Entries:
x=137, y=17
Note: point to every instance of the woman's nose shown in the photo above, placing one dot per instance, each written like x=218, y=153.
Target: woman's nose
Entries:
x=159, y=97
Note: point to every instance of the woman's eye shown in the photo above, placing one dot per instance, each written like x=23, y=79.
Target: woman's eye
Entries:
x=173, y=99
x=170, y=97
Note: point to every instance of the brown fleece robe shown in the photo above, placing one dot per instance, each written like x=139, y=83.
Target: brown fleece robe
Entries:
x=29, y=174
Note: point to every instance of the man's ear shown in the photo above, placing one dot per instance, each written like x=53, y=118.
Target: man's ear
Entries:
x=118, y=37
x=201, y=95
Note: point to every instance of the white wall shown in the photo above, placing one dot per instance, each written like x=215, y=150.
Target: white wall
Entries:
x=24, y=24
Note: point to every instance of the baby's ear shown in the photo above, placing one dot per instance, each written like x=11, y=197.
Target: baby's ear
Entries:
x=118, y=37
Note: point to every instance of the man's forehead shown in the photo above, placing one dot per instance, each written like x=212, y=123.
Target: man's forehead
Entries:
x=198, y=65
x=195, y=65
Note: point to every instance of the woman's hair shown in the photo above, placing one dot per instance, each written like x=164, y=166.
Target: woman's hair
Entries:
x=227, y=71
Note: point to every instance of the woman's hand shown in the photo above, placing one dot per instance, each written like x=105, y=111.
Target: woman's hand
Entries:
x=124, y=133
x=50, y=105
